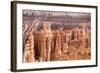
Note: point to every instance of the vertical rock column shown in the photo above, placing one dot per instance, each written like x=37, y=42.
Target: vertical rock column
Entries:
x=32, y=46
x=29, y=49
x=58, y=52
x=48, y=38
x=42, y=48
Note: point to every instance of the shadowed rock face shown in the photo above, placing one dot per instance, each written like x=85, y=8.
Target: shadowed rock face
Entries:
x=56, y=37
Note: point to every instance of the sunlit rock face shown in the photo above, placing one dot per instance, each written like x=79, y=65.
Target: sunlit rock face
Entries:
x=56, y=36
